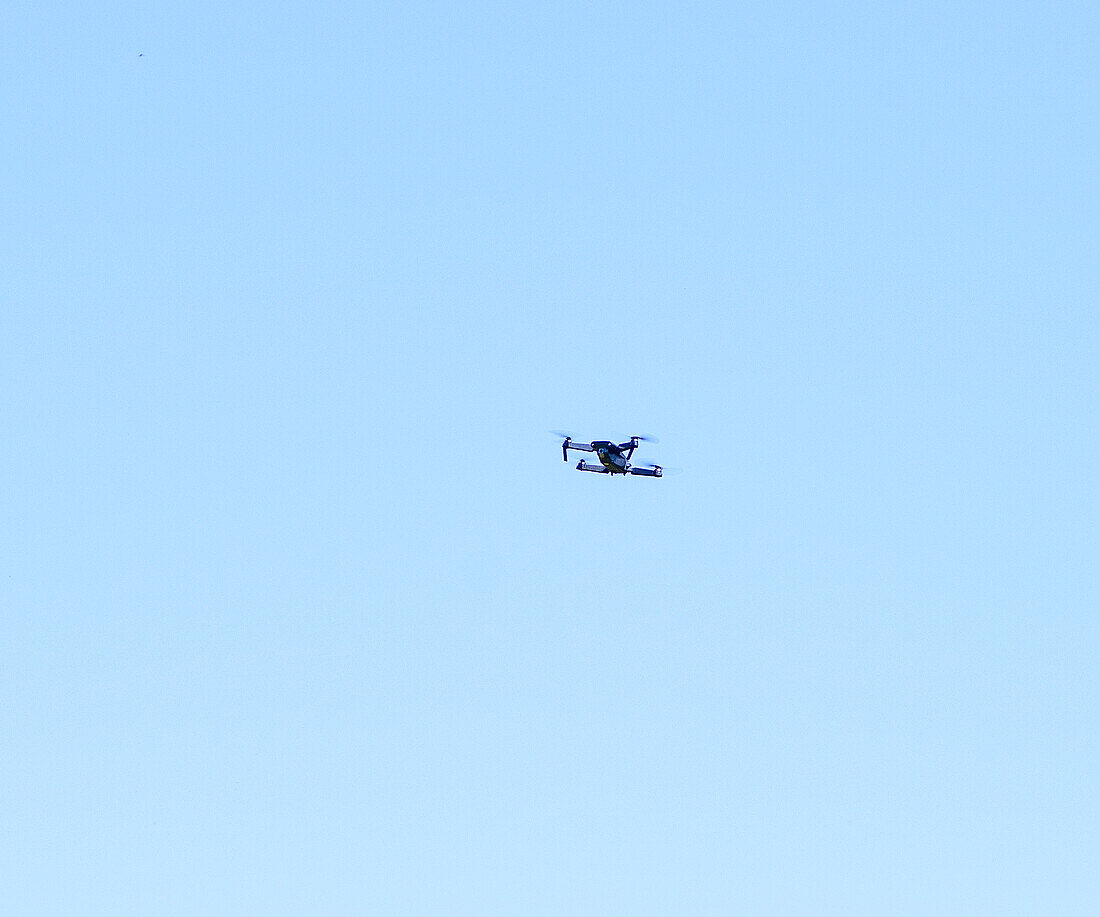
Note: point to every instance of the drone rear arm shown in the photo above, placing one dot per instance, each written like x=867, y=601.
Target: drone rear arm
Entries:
x=652, y=471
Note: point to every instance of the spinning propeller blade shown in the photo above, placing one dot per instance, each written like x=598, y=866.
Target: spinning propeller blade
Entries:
x=566, y=439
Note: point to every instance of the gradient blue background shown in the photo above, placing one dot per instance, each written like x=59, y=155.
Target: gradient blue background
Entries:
x=302, y=613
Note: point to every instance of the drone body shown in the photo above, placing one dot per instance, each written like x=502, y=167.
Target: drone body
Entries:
x=614, y=459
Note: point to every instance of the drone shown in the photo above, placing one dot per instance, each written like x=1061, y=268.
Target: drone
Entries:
x=614, y=459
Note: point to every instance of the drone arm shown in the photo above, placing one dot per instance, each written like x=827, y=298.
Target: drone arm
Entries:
x=628, y=448
x=653, y=471
x=596, y=469
x=580, y=447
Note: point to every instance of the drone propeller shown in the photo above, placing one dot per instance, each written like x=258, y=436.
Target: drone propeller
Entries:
x=566, y=439
x=641, y=437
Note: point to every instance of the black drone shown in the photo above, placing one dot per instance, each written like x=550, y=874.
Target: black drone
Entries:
x=614, y=459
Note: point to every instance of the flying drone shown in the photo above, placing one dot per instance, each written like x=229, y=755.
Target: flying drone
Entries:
x=614, y=459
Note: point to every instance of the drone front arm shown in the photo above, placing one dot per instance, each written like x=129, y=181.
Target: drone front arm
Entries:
x=580, y=447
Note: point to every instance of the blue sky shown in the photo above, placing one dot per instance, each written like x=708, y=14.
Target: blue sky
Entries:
x=302, y=611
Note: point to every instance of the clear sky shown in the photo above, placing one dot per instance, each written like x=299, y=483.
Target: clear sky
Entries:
x=302, y=613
